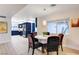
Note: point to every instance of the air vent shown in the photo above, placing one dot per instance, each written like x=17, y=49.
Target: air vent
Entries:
x=2, y=16
x=52, y=5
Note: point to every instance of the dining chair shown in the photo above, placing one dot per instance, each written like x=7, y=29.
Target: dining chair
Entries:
x=33, y=34
x=61, y=40
x=33, y=44
x=52, y=44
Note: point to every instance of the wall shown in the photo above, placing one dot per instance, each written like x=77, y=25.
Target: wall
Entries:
x=40, y=27
x=72, y=39
x=6, y=37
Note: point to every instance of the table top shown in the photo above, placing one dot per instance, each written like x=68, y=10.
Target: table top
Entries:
x=43, y=38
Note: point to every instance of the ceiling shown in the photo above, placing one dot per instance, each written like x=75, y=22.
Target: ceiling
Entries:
x=9, y=10
x=38, y=10
x=35, y=10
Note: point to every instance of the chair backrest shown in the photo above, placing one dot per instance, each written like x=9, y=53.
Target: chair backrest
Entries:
x=30, y=41
x=33, y=34
x=52, y=43
x=61, y=37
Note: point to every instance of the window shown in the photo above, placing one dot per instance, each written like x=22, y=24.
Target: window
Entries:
x=14, y=28
x=52, y=27
x=57, y=27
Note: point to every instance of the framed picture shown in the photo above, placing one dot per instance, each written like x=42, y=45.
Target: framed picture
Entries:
x=75, y=22
x=3, y=27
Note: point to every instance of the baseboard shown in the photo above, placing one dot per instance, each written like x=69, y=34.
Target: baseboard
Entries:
x=72, y=47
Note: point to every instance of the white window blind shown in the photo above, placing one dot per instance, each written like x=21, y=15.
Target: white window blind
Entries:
x=57, y=27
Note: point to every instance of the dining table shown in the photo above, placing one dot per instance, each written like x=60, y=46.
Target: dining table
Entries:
x=43, y=39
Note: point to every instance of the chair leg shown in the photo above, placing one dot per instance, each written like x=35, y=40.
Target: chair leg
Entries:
x=61, y=47
x=57, y=52
x=43, y=49
x=28, y=49
x=47, y=53
x=33, y=52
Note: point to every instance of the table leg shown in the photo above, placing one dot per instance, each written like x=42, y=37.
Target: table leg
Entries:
x=43, y=49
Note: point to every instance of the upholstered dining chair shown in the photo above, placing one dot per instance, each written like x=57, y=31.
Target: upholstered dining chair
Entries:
x=52, y=44
x=61, y=40
x=33, y=44
x=33, y=34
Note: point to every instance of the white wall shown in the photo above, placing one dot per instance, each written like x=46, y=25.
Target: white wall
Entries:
x=72, y=40
x=6, y=37
x=40, y=27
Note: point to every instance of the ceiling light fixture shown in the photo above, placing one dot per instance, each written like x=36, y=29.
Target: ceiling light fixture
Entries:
x=44, y=22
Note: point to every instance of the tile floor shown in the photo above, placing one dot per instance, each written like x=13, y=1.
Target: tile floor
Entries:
x=19, y=46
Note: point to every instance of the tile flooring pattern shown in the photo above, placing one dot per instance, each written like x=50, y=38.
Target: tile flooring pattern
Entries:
x=19, y=46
